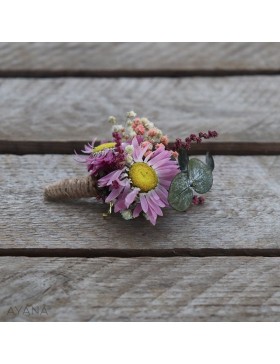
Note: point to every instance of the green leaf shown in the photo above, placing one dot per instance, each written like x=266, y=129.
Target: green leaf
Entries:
x=210, y=161
x=201, y=178
x=180, y=194
x=183, y=160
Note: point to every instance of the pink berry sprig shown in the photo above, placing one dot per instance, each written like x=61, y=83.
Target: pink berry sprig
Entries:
x=180, y=144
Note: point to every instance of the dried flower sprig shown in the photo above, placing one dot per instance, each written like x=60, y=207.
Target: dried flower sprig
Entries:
x=179, y=144
x=137, y=173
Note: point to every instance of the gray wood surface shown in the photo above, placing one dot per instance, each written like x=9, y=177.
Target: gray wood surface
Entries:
x=143, y=56
x=241, y=211
x=140, y=289
x=240, y=108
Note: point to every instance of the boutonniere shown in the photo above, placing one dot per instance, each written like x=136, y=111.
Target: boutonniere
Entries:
x=138, y=172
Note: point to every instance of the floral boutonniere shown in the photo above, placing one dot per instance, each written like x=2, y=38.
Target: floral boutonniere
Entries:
x=139, y=173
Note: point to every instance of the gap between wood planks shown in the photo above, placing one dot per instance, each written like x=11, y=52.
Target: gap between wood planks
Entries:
x=135, y=73
x=133, y=253
x=68, y=147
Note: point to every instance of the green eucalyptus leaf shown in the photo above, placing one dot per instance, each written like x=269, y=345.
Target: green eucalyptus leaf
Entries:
x=183, y=159
x=201, y=178
x=180, y=194
x=210, y=161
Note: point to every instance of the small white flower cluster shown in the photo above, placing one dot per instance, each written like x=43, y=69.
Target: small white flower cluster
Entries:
x=138, y=126
x=118, y=128
x=147, y=124
x=112, y=120
x=129, y=151
x=131, y=115
x=127, y=214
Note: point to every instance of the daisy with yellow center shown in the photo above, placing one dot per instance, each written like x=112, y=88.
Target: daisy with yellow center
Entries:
x=143, y=176
x=103, y=147
x=143, y=185
x=101, y=159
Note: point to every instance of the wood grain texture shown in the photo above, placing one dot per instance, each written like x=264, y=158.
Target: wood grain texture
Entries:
x=139, y=56
x=241, y=211
x=240, y=108
x=140, y=289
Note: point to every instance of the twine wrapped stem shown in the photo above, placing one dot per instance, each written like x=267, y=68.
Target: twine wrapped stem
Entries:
x=71, y=188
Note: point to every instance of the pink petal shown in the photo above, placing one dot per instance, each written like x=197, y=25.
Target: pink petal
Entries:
x=162, y=195
x=137, y=210
x=156, y=199
x=136, y=152
x=155, y=159
x=162, y=189
x=135, y=142
x=120, y=204
x=140, y=153
x=143, y=202
x=114, y=194
x=170, y=166
x=152, y=217
x=154, y=154
x=131, y=197
x=166, y=173
x=154, y=206
x=115, y=175
x=109, y=178
x=160, y=163
x=165, y=183
x=154, y=194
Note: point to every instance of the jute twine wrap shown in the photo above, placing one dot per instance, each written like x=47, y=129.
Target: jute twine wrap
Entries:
x=71, y=188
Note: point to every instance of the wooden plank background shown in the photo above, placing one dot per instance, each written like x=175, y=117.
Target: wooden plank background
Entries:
x=97, y=57
x=54, y=97
x=241, y=210
x=242, y=109
x=140, y=289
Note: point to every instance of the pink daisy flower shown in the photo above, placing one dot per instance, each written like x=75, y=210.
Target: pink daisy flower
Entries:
x=142, y=186
x=101, y=159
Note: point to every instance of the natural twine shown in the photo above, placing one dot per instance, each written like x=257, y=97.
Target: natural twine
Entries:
x=71, y=188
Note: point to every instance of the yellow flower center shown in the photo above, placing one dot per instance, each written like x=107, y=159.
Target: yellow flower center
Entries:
x=143, y=176
x=104, y=146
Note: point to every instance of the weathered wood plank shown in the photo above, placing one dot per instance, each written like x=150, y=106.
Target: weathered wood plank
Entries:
x=241, y=211
x=240, y=108
x=140, y=289
x=139, y=56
